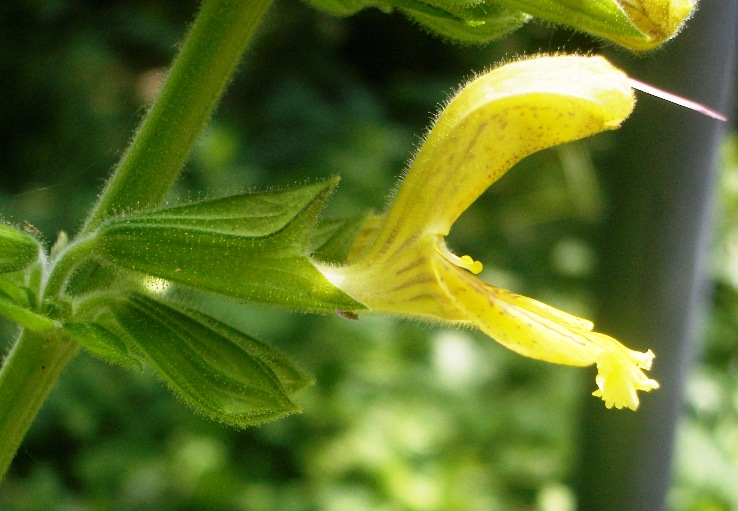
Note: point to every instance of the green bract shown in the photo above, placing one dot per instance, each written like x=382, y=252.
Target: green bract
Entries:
x=216, y=375
x=17, y=249
x=250, y=246
x=292, y=378
x=472, y=23
x=635, y=24
x=103, y=343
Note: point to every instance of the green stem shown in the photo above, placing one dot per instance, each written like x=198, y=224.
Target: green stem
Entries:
x=28, y=375
x=200, y=74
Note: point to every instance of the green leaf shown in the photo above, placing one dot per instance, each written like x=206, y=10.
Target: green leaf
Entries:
x=102, y=343
x=251, y=246
x=26, y=317
x=462, y=20
x=17, y=249
x=292, y=378
x=210, y=372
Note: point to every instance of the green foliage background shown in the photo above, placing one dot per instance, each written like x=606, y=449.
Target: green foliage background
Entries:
x=403, y=416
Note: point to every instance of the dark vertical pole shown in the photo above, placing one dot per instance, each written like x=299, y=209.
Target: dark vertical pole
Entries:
x=653, y=252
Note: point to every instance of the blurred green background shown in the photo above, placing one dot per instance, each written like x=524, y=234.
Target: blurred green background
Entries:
x=403, y=416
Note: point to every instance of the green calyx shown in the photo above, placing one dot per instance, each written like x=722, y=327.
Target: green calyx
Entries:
x=634, y=24
x=248, y=246
x=17, y=249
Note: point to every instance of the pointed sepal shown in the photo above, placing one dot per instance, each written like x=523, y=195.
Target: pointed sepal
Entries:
x=250, y=246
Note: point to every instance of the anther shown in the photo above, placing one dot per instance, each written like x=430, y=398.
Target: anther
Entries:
x=465, y=262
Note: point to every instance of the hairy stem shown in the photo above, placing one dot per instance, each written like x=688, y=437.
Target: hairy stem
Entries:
x=26, y=378
x=196, y=81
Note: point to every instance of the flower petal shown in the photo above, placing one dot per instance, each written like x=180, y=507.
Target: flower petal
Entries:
x=495, y=121
x=536, y=330
x=620, y=375
x=507, y=318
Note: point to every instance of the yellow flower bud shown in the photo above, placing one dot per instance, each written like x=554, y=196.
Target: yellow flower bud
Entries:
x=657, y=20
x=635, y=24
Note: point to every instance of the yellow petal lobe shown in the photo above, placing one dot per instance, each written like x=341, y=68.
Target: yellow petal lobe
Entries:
x=495, y=121
x=542, y=332
x=620, y=374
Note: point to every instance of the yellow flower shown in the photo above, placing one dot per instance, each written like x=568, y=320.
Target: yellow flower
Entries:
x=401, y=265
